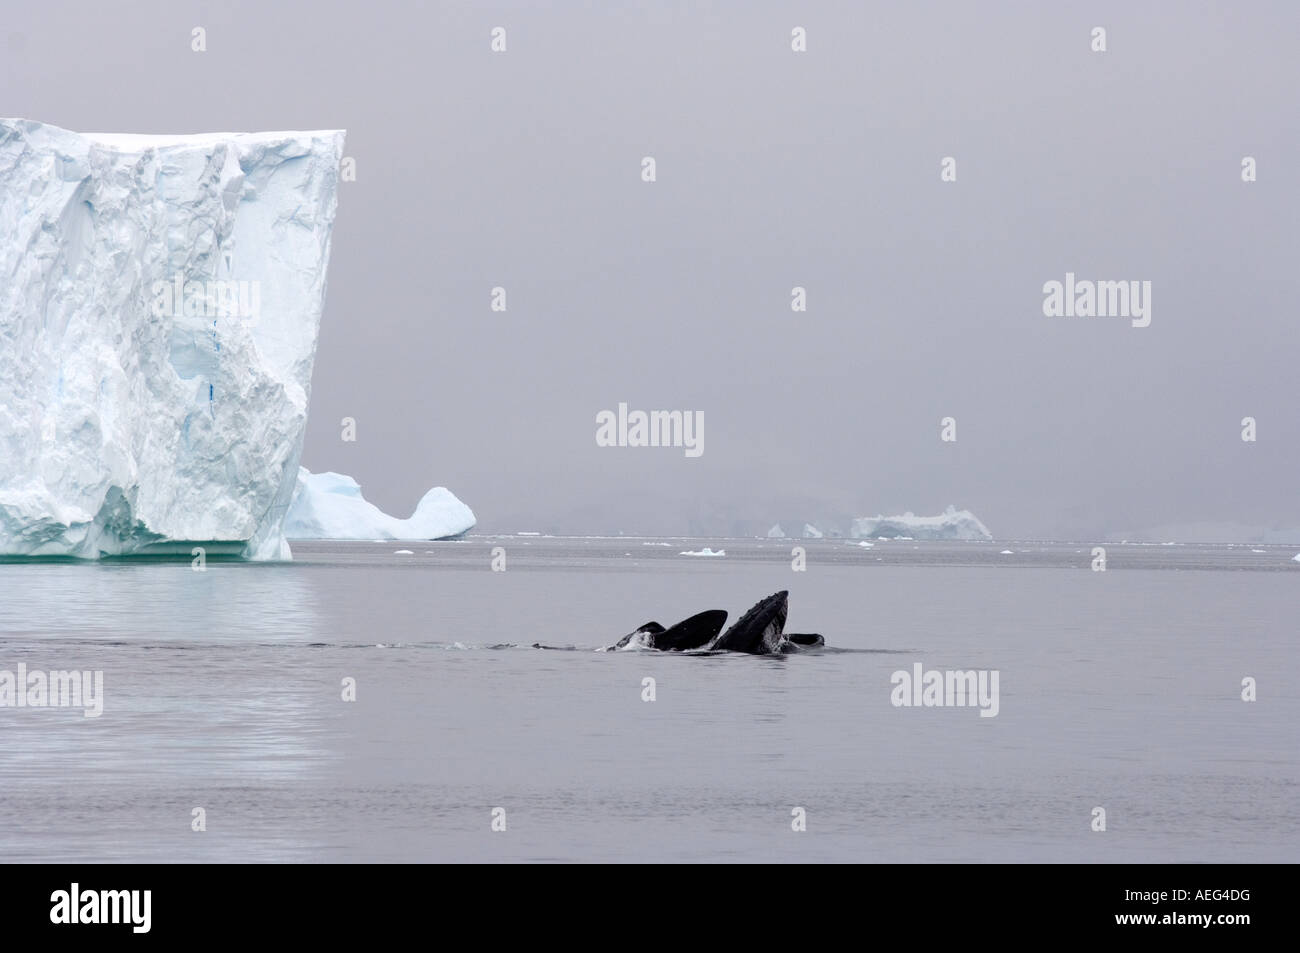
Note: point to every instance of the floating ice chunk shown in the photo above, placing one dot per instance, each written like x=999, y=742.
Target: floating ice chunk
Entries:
x=706, y=551
x=330, y=506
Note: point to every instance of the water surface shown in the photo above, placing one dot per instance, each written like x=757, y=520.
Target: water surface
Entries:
x=1118, y=689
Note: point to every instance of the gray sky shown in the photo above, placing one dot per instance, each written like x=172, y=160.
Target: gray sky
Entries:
x=775, y=169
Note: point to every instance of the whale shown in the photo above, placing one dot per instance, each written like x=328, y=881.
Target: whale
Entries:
x=760, y=631
x=689, y=634
x=806, y=640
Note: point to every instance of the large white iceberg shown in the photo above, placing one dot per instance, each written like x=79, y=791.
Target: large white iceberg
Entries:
x=330, y=506
x=160, y=298
x=951, y=524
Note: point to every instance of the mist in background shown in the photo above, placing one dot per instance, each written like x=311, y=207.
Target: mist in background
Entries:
x=775, y=169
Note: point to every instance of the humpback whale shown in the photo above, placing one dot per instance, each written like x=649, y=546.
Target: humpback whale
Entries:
x=693, y=633
x=760, y=631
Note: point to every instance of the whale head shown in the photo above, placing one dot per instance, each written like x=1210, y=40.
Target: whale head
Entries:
x=760, y=630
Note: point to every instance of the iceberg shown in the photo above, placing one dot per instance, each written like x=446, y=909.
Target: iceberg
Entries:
x=812, y=532
x=951, y=524
x=330, y=506
x=776, y=532
x=159, y=309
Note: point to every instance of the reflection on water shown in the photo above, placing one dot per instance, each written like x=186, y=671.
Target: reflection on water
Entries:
x=156, y=600
x=188, y=710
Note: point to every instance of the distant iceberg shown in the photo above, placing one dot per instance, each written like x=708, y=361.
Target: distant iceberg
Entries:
x=951, y=524
x=776, y=532
x=330, y=506
x=812, y=532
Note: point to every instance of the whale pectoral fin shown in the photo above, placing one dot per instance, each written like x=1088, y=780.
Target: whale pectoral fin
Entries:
x=693, y=633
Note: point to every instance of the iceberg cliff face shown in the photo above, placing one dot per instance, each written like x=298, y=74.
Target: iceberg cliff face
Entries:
x=951, y=524
x=159, y=306
x=330, y=506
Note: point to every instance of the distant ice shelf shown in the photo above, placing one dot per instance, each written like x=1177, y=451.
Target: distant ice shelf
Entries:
x=330, y=506
x=160, y=301
x=951, y=524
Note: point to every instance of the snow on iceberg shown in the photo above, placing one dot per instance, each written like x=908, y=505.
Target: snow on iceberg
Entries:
x=158, y=318
x=951, y=524
x=330, y=506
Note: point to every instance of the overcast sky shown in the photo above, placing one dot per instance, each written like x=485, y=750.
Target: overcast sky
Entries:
x=774, y=169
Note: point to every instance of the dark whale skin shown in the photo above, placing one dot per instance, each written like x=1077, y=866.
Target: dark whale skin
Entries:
x=759, y=631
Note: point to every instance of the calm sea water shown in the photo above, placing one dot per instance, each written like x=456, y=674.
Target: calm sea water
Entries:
x=1118, y=689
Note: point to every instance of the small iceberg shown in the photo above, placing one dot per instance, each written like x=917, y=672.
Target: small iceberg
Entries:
x=330, y=506
x=704, y=552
